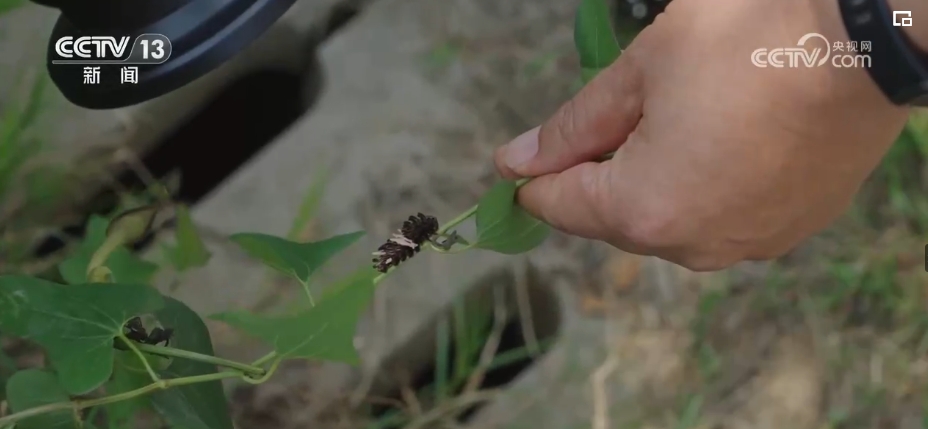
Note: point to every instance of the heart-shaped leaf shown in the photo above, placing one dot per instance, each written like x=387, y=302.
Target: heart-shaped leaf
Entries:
x=594, y=37
x=125, y=266
x=75, y=325
x=193, y=406
x=189, y=252
x=324, y=332
x=503, y=226
x=299, y=260
x=32, y=388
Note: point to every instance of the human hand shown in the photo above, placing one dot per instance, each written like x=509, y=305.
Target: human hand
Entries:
x=718, y=161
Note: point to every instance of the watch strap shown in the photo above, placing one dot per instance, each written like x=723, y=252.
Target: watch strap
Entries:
x=897, y=66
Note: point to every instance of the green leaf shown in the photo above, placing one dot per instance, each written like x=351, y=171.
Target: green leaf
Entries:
x=309, y=207
x=76, y=325
x=594, y=37
x=587, y=75
x=324, y=332
x=128, y=375
x=33, y=388
x=126, y=267
x=503, y=226
x=193, y=406
x=189, y=252
x=299, y=260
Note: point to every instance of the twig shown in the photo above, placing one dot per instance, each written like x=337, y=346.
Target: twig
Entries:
x=492, y=344
x=409, y=397
x=600, y=398
x=395, y=403
x=456, y=405
x=525, y=310
x=599, y=376
x=514, y=411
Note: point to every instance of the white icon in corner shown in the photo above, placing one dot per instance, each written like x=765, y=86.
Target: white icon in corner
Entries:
x=902, y=18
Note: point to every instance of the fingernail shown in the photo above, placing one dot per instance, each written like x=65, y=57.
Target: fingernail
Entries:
x=522, y=149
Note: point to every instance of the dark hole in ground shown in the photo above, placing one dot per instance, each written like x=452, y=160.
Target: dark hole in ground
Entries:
x=211, y=145
x=511, y=341
x=512, y=359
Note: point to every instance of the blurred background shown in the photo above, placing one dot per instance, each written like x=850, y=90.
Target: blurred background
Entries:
x=354, y=114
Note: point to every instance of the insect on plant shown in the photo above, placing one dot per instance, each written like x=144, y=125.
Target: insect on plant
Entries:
x=101, y=358
x=135, y=331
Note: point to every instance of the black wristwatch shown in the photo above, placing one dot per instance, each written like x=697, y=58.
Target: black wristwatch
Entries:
x=897, y=65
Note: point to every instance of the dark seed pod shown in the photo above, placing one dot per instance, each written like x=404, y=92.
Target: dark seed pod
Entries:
x=406, y=242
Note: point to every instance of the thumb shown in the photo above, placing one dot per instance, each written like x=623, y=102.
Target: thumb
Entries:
x=579, y=201
x=596, y=121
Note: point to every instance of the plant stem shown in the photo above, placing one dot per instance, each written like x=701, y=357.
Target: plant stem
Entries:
x=450, y=251
x=185, y=354
x=87, y=403
x=264, y=359
x=132, y=346
x=268, y=374
x=458, y=220
x=312, y=303
x=99, y=257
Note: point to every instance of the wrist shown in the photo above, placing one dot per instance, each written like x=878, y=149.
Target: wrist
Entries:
x=853, y=85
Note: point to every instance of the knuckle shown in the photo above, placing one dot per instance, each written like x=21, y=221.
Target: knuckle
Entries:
x=565, y=125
